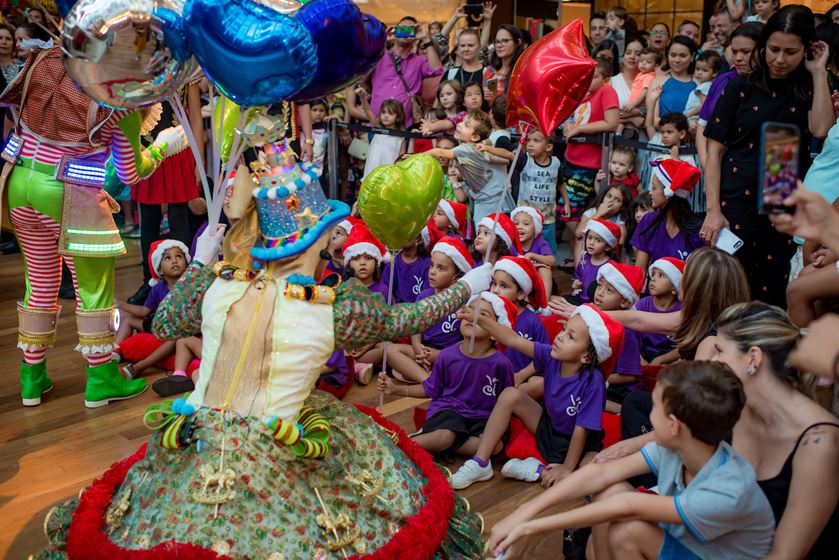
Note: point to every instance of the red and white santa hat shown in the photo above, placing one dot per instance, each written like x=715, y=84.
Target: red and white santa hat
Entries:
x=605, y=333
x=608, y=231
x=156, y=252
x=505, y=229
x=672, y=268
x=430, y=234
x=535, y=215
x=456, y=213
x=627, y=279
x=454, y=248
x=348, y=223
x=361, y=242
x=506, y=312
x=676, y=176
x=524, y=273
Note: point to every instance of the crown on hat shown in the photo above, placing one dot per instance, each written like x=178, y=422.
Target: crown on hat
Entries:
x=292, y=209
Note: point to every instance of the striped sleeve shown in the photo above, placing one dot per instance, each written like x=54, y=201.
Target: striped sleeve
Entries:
x=124, y=160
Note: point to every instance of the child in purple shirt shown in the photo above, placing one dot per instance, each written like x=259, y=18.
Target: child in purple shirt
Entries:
x=517, y=279
x=570, y=424
x=449, y=261
x=601, y=238
x=530, y=223
x=664, y=286
x=463, y=385
x=673, y=229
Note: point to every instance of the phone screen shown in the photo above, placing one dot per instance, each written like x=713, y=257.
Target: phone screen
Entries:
x=405, y=31
x=779, y=173
x=492, y=84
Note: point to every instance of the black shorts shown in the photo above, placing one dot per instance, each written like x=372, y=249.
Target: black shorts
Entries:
x=462, y=427
x=147, y=321
x=616, y=393
x=554, y=446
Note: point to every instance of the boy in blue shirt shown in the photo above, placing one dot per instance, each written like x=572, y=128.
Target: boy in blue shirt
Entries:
x=708, y=503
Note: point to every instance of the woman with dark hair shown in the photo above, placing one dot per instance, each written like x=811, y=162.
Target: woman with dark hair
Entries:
x=508, y=49
x=659, y=37
x=608, y=50
x=621, y=82
x=788, y=84
x=743, y=41
x=9, y=65
x=669, y=93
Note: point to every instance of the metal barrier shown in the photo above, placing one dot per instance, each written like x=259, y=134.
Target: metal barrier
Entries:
x=607, y=141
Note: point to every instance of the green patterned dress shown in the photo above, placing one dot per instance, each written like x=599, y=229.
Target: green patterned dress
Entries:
x=229, y=488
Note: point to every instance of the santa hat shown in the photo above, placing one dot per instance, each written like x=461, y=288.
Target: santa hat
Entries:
x=627, y=279
x=456, y=213
x=676, y=176
x=361, y=242
x=430, y=234
x=348, y=223
x=524, y=273
x=454, y=248
x=608, y=231
x=156, y=252
x=535, y=215
x=605, y=333
x=506, y=312
x=506, y=230
x=672, y=268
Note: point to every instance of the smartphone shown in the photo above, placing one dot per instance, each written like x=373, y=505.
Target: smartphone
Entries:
x=473, y=9
x=492, y=84
x=779, y=148
x=405, y=31
x=728, y=242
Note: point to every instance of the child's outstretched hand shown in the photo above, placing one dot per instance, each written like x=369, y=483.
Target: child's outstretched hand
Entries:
x=577, y=285
x=560, y=306
x=600, y=176
x=553, y=473
x=385, y=384
x=425, y=128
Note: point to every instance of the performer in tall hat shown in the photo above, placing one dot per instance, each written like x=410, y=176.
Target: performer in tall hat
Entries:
x=254, y=463
x=53, y=178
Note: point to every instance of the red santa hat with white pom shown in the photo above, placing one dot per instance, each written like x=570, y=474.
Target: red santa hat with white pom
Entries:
x=627, y=279
x=361, y=242
x=156, y=252
x=506, y=312
x=454, y=248
x=535, y=215
x=677, y=177
x=456, y=213
x=672, y=268
x=608, y=231
x=524, y=273
x=505, y=229
x=605, y=333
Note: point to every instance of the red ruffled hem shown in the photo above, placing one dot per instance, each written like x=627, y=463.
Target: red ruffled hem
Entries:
x=418, y=539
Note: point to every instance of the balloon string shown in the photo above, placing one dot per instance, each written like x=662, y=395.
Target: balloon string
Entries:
x=524, y=129
x=180, y=113
x=219, y=140
x=384, y=350
x=237, y=148
x=214, y=131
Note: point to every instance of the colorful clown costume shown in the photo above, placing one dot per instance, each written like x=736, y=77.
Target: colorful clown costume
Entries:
x=52, y=188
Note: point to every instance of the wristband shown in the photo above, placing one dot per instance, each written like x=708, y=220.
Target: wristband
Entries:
x=426, y=45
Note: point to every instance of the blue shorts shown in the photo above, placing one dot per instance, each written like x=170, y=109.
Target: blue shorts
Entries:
x=673, y=549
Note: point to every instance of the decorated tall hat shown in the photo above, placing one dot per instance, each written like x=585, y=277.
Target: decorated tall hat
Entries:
x=292, y=209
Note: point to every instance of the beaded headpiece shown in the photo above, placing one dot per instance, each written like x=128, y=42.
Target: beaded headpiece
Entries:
x=292, y=208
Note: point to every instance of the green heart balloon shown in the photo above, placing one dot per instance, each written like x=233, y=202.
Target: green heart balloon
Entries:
x=396, y=201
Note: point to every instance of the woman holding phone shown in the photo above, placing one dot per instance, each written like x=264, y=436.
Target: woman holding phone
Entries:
x=788, y=85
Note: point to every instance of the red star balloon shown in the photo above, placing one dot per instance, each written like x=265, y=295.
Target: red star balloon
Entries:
x=550, y=79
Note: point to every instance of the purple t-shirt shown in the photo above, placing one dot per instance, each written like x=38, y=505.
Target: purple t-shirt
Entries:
x=571, y=401
x=339, y=270
x=467, y=386
x=586, y=272
x=387, y=84
x=654, y=344
x=379, y=287
x=156, y=295
x=629, y=360
x=658, y=243
x=444, y=333
x=540, y=247
x=409, y=280
x=714, y=94
x=529, y=327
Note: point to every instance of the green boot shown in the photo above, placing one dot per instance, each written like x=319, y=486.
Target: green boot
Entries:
x=34, y=383
x=105, y=384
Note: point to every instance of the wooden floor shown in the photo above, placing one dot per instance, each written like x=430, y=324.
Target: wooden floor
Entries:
x=48, y=453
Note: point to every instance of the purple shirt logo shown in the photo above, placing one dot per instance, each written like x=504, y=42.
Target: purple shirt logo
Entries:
x=450, y=324
x=489, y=388
x=575, y=406
x=417, y=289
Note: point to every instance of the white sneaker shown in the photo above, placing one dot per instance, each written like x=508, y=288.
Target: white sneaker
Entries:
x=470, y=473
x=526, y=470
